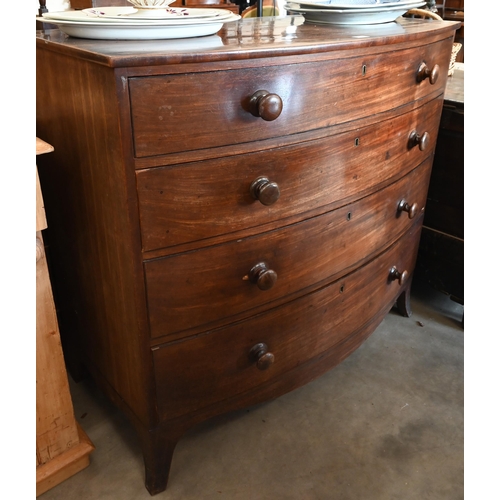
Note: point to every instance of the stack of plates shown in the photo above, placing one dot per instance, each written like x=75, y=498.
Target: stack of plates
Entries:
x=130, y=23
x=352, y=11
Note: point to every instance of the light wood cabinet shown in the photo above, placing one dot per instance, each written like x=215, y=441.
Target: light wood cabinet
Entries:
x=62, y=448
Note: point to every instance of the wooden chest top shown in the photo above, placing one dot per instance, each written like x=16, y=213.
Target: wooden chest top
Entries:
x=251, y=39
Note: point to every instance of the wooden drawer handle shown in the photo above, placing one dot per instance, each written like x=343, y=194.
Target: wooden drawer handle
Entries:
x=421, y=140
x=394, y=275
x=261, y=356
x=266, y=105
x=425, y=72
x=265, y=191
x=263, y=277
x=404, y=206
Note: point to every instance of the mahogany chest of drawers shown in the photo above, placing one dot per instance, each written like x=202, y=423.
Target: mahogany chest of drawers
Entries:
x=232, y=216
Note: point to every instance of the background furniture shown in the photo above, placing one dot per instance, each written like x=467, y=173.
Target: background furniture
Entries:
x=266, y=8
x=441, y=253
x=231, y=216
x=40, y=25
x=62, y=448
x=422, y=14
x=454, y=10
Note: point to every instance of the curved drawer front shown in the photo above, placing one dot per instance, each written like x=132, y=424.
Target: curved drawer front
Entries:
x=200, y=200
x=191, y=289
x=225, y=364
x=313, y=95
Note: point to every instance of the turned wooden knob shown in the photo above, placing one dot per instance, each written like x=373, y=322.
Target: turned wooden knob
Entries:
x=404, y=206
x=265, y=191
x=425, y=72
x=394, y=275
x=263, y=277
x=266, y=105
x=261, y=356
x=421, y=140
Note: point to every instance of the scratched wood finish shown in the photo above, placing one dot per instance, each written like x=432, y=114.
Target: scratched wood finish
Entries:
x=135, y=267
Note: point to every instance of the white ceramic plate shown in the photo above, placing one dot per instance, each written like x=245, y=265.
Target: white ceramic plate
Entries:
x=305, y=5
x=343, y=5
x=330, y=16
x=144, y=24
x=153, y=14
x=127, y=31
x=82, y=16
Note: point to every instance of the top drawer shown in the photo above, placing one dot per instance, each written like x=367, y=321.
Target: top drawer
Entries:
x=174, y=113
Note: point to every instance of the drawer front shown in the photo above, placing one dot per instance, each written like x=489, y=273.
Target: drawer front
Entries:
x=194, y=288
x=211, y=368
x=195, y=201
x=313, y=95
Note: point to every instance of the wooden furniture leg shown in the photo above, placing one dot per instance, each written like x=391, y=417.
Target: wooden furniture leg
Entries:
x=158, y=447
x=403, y=301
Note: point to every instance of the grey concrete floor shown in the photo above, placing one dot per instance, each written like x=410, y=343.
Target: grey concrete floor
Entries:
x=387, y=423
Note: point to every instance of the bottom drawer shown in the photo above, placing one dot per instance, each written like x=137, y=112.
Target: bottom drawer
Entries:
x=195, y=373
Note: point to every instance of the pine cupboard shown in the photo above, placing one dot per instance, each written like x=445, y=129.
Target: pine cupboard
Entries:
x=62, y=447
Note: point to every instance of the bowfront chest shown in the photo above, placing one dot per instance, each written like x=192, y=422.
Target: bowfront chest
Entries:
x=231, y=216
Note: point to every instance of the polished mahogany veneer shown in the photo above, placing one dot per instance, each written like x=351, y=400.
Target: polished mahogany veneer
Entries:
x=211, y=200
